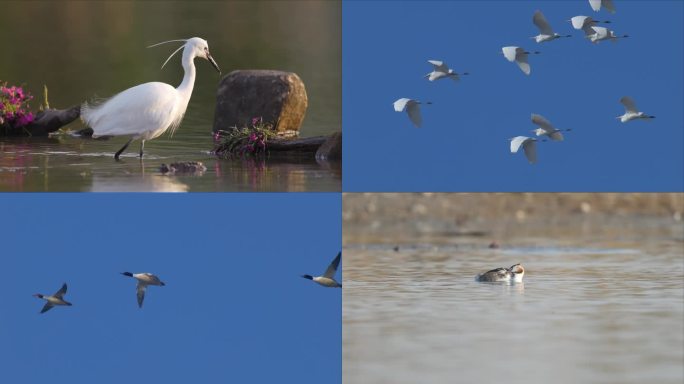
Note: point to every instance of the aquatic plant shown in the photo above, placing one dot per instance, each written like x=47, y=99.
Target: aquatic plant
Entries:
x=245, y=141
x=14, y=107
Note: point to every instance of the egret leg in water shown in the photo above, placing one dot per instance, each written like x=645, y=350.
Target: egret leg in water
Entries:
x=147, y=110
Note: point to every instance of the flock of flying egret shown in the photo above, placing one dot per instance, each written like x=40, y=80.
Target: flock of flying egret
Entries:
x=592, y=32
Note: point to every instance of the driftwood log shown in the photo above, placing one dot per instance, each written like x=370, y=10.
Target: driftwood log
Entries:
x=45, y=122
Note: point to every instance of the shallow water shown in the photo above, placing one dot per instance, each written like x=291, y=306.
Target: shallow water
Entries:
x=605, y=308
x=83, y=50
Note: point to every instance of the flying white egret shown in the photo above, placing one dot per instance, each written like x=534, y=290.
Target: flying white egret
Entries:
x=529, y=146
x=144, y=279
x=148, y=110
x=585, y=23
x=631, y=111
x=440, y=71
x=412, y=108
x=545, y=128
x=518, y=55
x=546, y=33
x=328, y=278
x=607, y=4
x=602, y=33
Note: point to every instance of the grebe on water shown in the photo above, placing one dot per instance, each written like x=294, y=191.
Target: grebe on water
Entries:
x=513, y=274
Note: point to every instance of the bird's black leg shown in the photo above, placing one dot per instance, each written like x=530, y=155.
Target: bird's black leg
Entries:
x=116, y=155
x=142, y=145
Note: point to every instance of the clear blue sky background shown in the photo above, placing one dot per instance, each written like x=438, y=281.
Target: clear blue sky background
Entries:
x=463, y=145
x=234, y=308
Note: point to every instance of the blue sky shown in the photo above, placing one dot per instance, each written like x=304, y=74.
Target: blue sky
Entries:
x=234, y=309
x=463, y=145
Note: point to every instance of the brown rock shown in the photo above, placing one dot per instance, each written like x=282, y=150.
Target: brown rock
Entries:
x=276, y=96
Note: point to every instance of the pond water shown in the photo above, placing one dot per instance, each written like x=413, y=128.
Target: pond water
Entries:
x=599, y=304
x=82, y=50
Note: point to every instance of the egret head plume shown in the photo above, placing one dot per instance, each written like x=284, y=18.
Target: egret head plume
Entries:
x=174, y=52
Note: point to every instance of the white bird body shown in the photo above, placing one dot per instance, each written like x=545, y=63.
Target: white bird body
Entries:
x=144, y=279
x=631, y=111
x=441, y=71
x=585, y=23
x=546, y=129
x=56, y=299
x=519, y=56
x=328, y=278
x=602, y=33
x=597, y=4
x=165, y=111
x=412, y=108
x=147, y=110
x=546, y=33
x=529, y=147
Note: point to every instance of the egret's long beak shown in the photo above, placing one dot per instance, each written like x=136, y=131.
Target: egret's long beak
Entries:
x=211, y=60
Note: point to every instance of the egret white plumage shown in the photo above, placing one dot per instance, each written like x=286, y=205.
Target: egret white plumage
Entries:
x=328, y=278
x=631, y=111
x=545, y=128
x=607, y=4
x=602, y=33
x=585, y=23
x=412, y=107
x=519, y=56
x=529, y=147
x=440, y=71
x=546, y=33
x=147, y=110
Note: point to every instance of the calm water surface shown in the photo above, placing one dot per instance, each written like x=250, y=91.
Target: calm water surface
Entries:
x=607, y=307
x=82, y=50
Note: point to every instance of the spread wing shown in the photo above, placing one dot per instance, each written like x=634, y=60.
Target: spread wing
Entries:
x=141, y=294
x=542, y=123
x=629, y=104
x=435, y=75
x=516, y=142
x=608, y=4
x=595, y=5
x=557, y=136
x=46, y=307
x=440, y=66
x=540, y=21
x=600, y=32
x=400, y=104
x=522, y=64
x=332, y=268
x=509, y=53
x=61, y=292
x=530, y=148
x=413, y=110
x=578, y=22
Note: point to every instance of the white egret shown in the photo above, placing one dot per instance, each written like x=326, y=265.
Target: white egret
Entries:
x=529, y=146
x=440, y=71
x=585, y=23
x=603, y=33
x=144, y=279
x=546, y=33
x=56, y=299
x=518, y=55
x=607, y=4
x=545, y=128
x=148, y=110
x=328, y=278
x=631, y=111
x=412, y=108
